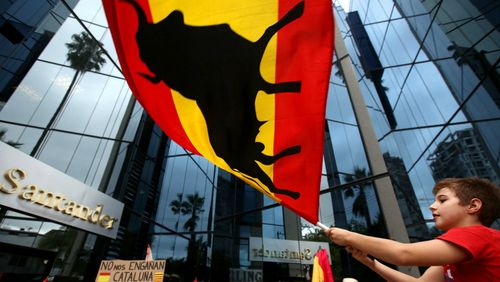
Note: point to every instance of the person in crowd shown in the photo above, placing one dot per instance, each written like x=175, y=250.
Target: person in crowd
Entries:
x=469, y=250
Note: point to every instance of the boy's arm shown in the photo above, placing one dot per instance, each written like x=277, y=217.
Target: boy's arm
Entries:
x=433, y=252
x=432, y=274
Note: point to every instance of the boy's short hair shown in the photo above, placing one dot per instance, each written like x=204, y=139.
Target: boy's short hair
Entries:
x=472, y=187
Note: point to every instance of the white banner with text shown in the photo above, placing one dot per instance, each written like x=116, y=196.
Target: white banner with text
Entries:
x=287, y=251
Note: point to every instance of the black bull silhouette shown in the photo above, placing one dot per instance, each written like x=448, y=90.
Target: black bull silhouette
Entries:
x=220, y=70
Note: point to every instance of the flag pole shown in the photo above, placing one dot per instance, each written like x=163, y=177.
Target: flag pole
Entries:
x=322, y=226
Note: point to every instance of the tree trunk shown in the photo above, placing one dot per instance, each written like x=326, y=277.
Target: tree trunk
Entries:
x=366, y=211
x=192, y=256
x=54, y=116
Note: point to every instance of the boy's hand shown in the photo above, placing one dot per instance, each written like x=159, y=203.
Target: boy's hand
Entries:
x=360, y=256
x=339, y=236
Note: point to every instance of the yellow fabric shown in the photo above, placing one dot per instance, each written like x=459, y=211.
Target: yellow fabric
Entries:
x=249, y=18
x=158, y=277
x=103, y=278
x=317, y=275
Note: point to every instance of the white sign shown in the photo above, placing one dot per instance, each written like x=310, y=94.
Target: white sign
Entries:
x=131, y=270
x=287, y=251
x=30, y=186
x=245, y=275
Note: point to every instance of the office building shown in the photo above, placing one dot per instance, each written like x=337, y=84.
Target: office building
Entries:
x=413, y=98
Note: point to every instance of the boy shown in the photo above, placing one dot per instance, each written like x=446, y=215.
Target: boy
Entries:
x=468, y=251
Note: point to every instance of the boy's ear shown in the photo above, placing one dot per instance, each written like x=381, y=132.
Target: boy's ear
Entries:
x=474, y=205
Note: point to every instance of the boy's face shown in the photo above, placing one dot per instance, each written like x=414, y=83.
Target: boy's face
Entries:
x=447, y=211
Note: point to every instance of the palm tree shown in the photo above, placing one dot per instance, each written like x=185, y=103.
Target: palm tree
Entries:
x=192, y=206
x=11, y=143
x=360, y=204
x=84, y=54
x=176, y=207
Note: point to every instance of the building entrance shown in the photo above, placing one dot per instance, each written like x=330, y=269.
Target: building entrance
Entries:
x=24, y=264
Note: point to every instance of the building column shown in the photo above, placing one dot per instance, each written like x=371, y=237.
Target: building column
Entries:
x=293, y=231
x=383, y=186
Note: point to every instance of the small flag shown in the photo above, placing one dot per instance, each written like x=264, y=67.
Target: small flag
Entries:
x=158, y=277
x=149, y=254
x=321, y=268
x=103, y=277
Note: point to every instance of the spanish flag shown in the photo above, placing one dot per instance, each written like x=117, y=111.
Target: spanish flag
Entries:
x=322, y=271
x=242, y=83
x=103, y=276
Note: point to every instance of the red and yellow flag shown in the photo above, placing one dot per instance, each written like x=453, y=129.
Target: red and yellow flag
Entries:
x=242, y=83
x=103, y=276
x=322, y=271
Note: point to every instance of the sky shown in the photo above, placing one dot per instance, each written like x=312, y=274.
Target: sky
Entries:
x=343, y=3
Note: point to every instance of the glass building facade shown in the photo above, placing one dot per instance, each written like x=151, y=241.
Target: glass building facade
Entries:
x=425, y=71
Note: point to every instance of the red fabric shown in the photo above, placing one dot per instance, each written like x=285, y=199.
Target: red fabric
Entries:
x=149, y=254
x=325, y=265
x=482, y=245
x=302, y=116
x=122, y=21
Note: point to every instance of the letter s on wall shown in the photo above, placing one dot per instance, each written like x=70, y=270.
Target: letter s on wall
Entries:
x=13, y=175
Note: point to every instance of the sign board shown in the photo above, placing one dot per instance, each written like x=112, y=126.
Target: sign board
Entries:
x=30, y=186
x=245, y=275
x=287, y=251
x=131, y=270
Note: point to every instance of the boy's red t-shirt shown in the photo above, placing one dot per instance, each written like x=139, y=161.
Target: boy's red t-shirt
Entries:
x=482, y=245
